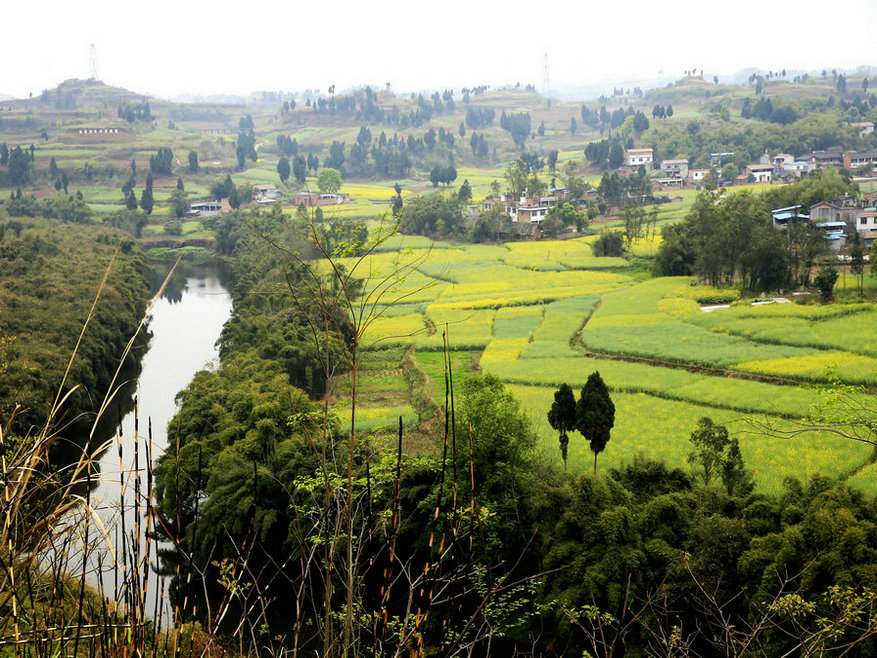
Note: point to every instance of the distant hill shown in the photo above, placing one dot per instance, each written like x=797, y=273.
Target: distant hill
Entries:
x=605, y=88
x=213, y=99
x=6, y=97
x=83, y=94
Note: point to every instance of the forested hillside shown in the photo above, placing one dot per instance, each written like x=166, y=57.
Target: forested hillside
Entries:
x=50, y=274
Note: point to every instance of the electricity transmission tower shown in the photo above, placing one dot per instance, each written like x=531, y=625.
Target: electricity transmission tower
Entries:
x=92, y=62
x=546, y=87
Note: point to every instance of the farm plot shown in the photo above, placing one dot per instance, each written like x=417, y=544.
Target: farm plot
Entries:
x=519, y=320
x=555, y=256
x=652, y=320
x=656, y=428
x=737, y=395
x=382, y=394
x=823, y=327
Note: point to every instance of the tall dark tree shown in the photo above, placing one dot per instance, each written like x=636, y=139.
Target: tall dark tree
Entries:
x=735, y=477
x=162, y=161
x=246, y=147
x=336, y=155
x=518, y=125
x=283, y=169
x=562, y=416
x=20, y=167
x=640, y=122
x=193, y=161
x=857, y=261
x=146, y=199
x=616, y=155
x=465, y=192
x=397, y=199
x=364, y=137
x=299, y=168
x=595, y=414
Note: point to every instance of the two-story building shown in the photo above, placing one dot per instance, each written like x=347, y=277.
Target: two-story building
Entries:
x=697, y=175
x=843, y=209
x=799, y=168
x=643, y=157
x=762, y=173
x=866, y=225
x=856, y=160
x=525, y=209
x=782, y=159
x=826, y=158
x=675, y=168
x=866, y=220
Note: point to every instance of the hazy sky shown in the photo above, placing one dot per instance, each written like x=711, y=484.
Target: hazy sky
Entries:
x=171, y=47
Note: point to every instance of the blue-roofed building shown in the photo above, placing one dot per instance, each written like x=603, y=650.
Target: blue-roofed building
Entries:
x=834, y=233
x=782, y=216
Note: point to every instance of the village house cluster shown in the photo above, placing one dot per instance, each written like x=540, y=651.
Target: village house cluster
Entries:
x=769, y=169
x=839, y=219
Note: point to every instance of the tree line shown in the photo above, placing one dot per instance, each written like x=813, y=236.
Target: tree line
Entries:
x=51, y=271
x=728, y=239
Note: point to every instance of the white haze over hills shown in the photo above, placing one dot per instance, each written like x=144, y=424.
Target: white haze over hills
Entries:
x=171, y=49
x=560, y=91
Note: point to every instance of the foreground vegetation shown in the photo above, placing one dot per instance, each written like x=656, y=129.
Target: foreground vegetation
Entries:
x=371, y=468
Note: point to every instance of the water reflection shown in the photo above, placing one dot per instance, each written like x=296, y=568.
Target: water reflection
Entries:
x=183, y=274
x=185, y=325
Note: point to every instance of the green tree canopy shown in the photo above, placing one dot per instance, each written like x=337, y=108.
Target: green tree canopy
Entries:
x=562, y=416
x=20, y=167
x=329, y=180
x=147, y=201
x=502, y=440
x=595, y=414
x=283, y=169
x=179, y=202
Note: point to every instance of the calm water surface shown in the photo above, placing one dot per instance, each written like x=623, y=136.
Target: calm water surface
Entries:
x=186, y=322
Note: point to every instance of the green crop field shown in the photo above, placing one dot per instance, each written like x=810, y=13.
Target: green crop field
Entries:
x=659, y=429
x=537, y=315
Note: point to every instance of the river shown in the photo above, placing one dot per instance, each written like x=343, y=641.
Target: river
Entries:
x=186, y=321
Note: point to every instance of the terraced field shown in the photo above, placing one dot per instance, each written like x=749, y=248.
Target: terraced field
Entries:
x=540, y=314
